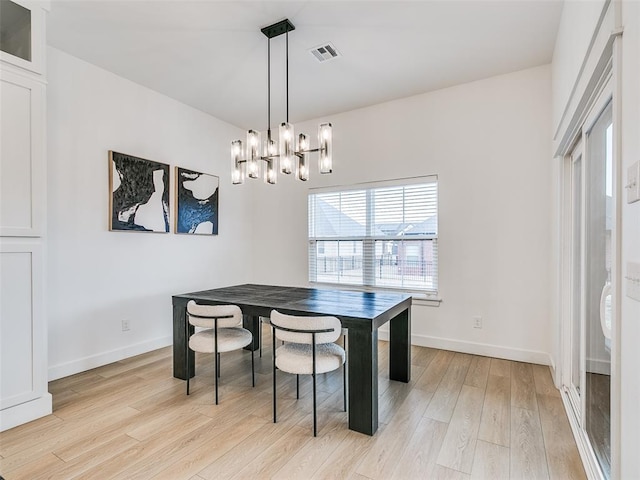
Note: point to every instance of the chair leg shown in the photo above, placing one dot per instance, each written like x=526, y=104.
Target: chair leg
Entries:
x=260, y=334
x=315, y=420
x=216, y=377
x=344, y=374
x=188, y=372
x=186, y=336
x=298, y=387
x=216, y=357
x=274, y=374
x=313, y=359
x=344, y=386
x=253, y=376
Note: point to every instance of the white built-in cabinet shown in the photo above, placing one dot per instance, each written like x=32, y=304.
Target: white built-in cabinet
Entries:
x=23, y=324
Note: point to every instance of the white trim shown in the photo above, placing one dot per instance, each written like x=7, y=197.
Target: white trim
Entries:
x=599, y=105
x=595, y=63
x=589, y=461
x=601, y=367
x=105, y=358
x=396, y=182
x=474, y=348
x=616, y=248
x=26, y=412
x=424, y=301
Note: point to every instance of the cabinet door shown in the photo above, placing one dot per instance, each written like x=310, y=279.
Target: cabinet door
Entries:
x=22, y=34
x=22, y=166
x=23, y=375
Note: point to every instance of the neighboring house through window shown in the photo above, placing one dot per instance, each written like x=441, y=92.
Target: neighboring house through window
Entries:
x=381, y=235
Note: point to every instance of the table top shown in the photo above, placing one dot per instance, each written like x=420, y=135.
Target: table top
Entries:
x=376, y=307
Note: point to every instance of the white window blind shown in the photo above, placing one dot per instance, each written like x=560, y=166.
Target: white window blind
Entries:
x=376, y=235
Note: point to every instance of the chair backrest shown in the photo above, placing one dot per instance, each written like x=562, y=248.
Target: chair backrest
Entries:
x=304, y=324
x=203, y=315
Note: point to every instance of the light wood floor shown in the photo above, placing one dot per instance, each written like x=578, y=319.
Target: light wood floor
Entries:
x=462, y=416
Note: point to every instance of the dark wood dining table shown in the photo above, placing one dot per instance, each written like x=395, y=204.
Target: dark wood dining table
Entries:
x=362, y=313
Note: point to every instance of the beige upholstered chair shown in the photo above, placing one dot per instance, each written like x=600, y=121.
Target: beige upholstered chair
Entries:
x=220, y=330
x=308, y=349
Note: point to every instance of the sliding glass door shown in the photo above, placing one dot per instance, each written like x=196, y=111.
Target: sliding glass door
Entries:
x=597, y=236
x=576, y=340
x=590, y=319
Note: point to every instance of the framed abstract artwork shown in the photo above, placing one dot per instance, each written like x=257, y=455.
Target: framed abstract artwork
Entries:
x=196, y=202
x=139, y=194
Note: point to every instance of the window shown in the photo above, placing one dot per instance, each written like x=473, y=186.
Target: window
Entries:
x=377, y=235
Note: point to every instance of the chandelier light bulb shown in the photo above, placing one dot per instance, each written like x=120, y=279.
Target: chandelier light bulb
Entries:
x=287, y=154
x=253, y=153
x=237, y=167
x=303, y=144
x=272, y=172
x=325, y=146
x=272, y=148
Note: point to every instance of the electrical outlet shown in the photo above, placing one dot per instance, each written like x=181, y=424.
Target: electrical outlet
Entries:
x=477, y=322
x=633, y=183
x=126, y=326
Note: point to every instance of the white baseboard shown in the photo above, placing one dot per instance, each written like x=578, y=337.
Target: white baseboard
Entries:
x=602, y=367
x=104, y=358
x=484, y=349
x=26, y=412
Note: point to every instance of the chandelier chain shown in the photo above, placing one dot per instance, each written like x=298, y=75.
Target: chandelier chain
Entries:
x=269, y=89
x=287, y=49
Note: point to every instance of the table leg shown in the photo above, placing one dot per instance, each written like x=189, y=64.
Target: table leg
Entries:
x=400, y=347
x=252, y=323
x=180, y=355
x=363, y=380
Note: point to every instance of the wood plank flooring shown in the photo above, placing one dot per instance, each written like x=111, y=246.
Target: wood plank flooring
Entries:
x=462, y=416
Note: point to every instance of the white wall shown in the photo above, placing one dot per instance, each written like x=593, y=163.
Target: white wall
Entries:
x=630, y=312
x=97, y=278
x=489, y=143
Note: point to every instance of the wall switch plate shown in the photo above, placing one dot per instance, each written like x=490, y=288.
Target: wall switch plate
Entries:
x=632, y=280
x=477, y=322
x=632, y=184
x=126, y=326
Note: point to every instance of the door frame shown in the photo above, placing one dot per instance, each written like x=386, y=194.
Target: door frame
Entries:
x=576, y=399
x=604, y=96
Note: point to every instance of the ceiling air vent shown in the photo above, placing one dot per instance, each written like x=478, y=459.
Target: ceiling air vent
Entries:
x=325, y=52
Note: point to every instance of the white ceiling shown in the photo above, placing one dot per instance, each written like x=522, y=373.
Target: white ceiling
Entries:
x=211, y=54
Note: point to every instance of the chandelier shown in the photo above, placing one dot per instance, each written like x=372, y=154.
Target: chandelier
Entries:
x=258, y=160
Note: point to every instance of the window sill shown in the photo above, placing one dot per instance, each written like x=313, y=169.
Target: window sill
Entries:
x=420, y=299
x=425, y=301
